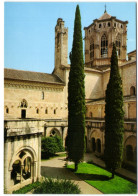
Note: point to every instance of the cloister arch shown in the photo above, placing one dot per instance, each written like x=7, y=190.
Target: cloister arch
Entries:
x=28, y=149
x=22, y=166
x=96, y=141
x=130, y=148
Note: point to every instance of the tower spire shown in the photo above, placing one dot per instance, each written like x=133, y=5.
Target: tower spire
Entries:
x=105, y=8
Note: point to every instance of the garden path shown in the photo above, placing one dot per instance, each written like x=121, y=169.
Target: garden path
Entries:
x=54, y=168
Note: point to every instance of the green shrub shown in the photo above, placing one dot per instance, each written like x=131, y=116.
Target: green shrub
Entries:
x=49, y=186
x=50, y=146
x=27, y=188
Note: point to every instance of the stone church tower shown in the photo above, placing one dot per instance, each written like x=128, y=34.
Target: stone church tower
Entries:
x=99, y=38
x=61, y=48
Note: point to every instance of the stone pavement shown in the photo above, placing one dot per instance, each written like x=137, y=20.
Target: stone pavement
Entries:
x=54, y=168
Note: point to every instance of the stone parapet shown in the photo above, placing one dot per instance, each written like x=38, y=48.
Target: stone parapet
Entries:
x=22, y=127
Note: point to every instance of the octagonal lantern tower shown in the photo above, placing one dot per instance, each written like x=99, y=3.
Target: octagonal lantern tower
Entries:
x=99, y=38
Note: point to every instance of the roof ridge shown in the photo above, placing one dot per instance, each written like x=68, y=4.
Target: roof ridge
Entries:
x=105, y=16
x=31, y=76
x=27, y=71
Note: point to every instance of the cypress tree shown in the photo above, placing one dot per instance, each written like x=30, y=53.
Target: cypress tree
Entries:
x=76, y=97
x=114, y=117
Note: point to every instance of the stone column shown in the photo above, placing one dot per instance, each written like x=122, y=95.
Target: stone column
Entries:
x=33, y=171
x=21, y=173
x=102, y=144
x=39, y=157
x=88, y=139
x=6, y=180
x=62, y=131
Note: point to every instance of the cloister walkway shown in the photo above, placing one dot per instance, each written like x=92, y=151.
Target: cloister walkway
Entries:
x=54, y=168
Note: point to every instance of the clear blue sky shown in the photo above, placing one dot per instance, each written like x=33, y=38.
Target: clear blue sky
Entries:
x=29, y=35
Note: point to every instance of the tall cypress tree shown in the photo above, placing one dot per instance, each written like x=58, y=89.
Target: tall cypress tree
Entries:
x=76, y=97
x=114, y=117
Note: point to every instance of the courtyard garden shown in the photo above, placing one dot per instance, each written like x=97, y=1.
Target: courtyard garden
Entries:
x=101, y=179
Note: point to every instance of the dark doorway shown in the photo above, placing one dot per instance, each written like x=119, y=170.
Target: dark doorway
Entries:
x=129, y=153
x=93, y=144
x=99, y=145
x=23, y=113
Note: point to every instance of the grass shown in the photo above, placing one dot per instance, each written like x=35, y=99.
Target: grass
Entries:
x=101, y=179
x=27, y=188
x=54, y=156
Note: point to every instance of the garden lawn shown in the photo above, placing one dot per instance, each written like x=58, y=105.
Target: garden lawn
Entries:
x=101, y=179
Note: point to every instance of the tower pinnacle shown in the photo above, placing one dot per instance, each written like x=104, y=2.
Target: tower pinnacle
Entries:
x=105, y=9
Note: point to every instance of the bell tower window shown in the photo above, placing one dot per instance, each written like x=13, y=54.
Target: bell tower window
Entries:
x=91, y=49
x=118, y=45
x=104, y=46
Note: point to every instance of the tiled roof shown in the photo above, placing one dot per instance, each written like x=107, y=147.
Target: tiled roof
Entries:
x=105, y=16
x=31, y=76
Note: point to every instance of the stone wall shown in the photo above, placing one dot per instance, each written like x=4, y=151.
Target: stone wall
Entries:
x=22, y=142
x=96, y=140
x=93, y=84
x=43, y=100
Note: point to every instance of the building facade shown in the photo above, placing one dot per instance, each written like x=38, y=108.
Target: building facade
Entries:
x=37, y=103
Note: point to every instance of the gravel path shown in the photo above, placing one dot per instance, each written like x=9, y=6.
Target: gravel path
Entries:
x=54, y=168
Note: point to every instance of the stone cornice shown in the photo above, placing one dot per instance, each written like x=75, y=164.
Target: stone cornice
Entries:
x=12, y=84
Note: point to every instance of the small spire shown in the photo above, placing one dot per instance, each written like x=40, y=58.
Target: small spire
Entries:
x=105, y=9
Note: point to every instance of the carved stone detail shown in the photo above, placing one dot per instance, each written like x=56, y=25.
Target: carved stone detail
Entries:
x=24, y=86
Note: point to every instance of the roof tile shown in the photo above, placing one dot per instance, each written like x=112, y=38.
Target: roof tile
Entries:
x=31, y=76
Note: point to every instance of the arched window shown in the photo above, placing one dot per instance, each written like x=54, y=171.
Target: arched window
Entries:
x=43, y=95
x=99, y=145
x=93, y=144
x=104, y=46
x=37, y=110
x=24, y=103
x=46, y=111
x=91, y=49
x=129, y=153
x=132, y=90
x=54, y=111
x=118, y=45
x=7, y=110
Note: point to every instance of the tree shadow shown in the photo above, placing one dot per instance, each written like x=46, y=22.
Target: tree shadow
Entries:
x=94, y=177
x=60, y=173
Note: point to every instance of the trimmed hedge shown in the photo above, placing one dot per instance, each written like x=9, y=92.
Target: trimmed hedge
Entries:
x=27, y=188
x=50, y=186
x=50, y=146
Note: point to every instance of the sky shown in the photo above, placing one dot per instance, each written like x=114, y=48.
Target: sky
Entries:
x=29, y=29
